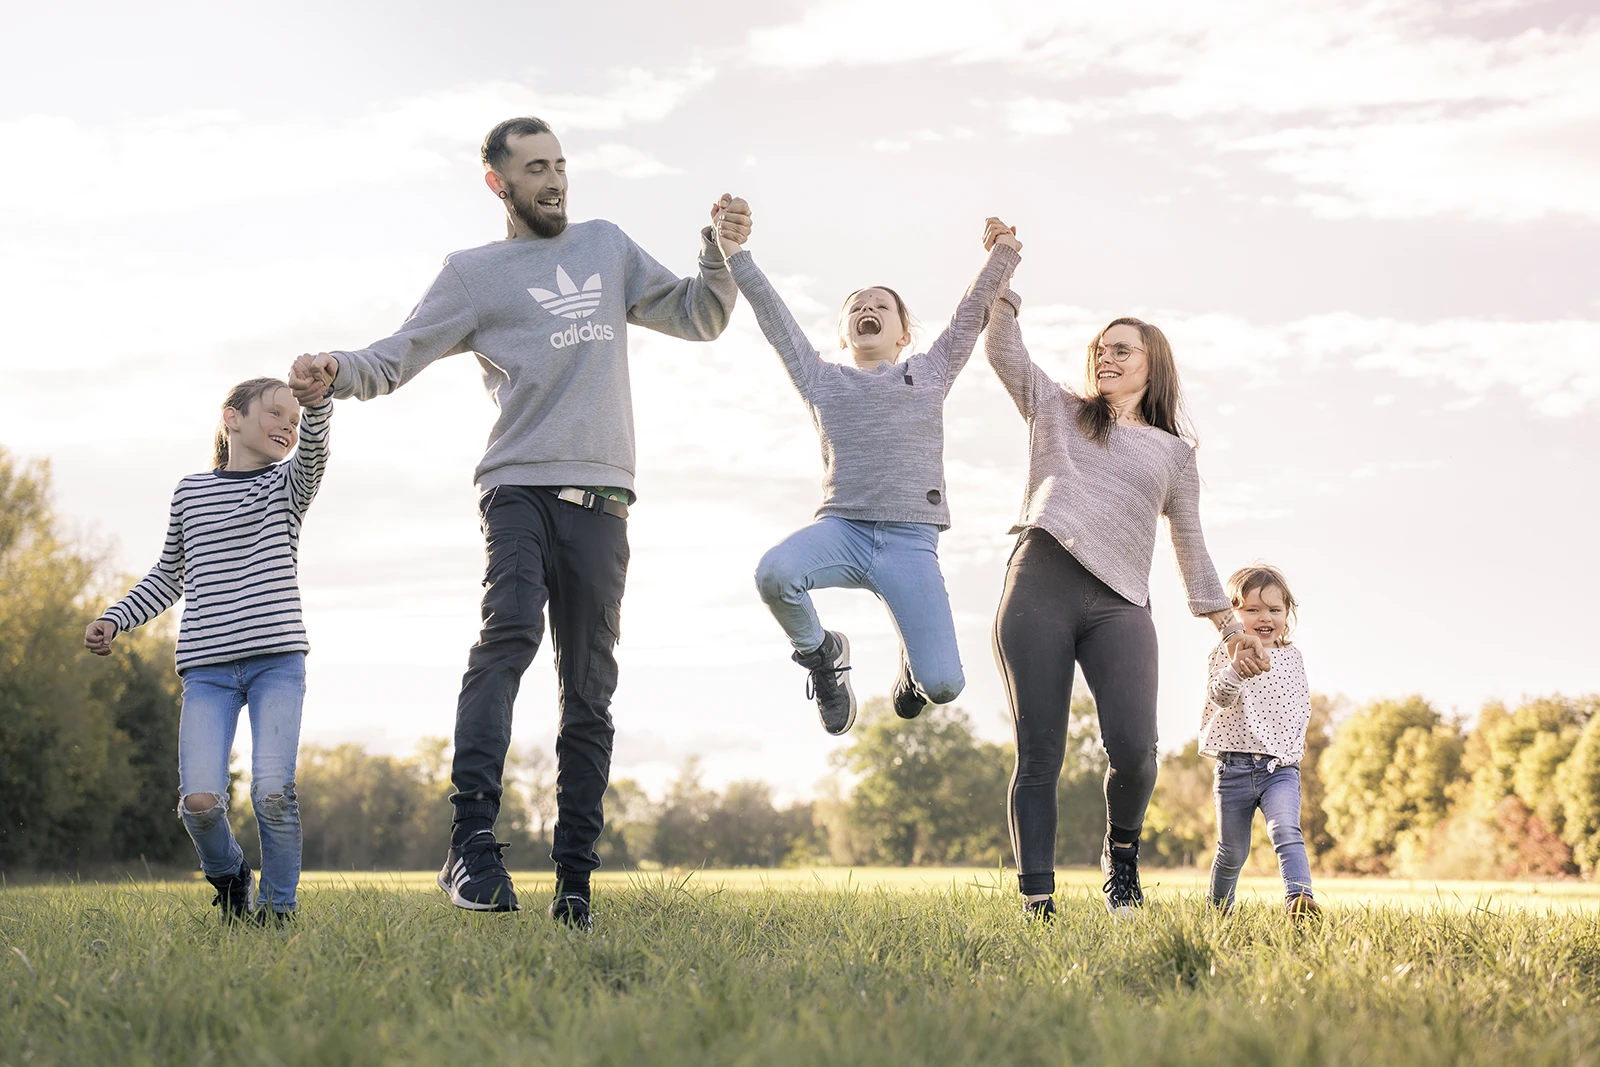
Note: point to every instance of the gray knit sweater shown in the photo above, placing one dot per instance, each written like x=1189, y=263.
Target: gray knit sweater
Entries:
x=1102, y=503
x=882, y=431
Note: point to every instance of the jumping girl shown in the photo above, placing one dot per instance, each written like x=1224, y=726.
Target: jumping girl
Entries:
x=1102, y=468
x=881, y=424
x=1255, y=728
x=232, y=554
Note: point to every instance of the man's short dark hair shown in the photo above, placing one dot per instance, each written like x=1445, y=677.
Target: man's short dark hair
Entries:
x=496, y=151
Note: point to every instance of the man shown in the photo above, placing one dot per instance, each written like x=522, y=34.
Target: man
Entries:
x=546, y=311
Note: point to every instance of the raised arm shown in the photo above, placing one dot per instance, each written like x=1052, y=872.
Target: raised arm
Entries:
x=311, y=458
x=800, y=359
x=954, y=346
x=695, y=309
x=155, y=593
x=440, y=325
x=1024, y=379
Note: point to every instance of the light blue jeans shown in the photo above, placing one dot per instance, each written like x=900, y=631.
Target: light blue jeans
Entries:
x=899, y=561
x=273, y=686
x=1245, y=782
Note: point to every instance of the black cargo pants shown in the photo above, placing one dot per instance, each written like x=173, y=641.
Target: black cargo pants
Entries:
x=545, y=552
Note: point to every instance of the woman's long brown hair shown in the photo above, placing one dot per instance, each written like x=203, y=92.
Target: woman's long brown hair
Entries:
x=1162, y=405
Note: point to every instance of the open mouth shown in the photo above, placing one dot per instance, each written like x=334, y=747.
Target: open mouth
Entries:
x=549, y=203
x=1266, y=631
x=1107, y=375
x=869, y=326
x=279, y=439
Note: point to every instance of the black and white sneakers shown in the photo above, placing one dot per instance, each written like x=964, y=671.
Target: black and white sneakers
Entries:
x=1120, y=864
x=476, y=877
x=1041, y=911
x=829, y=684
x=572, y=910
x=907, y=699
x=236, y=893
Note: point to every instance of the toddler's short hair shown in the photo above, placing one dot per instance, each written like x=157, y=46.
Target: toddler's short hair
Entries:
x=1246, y=580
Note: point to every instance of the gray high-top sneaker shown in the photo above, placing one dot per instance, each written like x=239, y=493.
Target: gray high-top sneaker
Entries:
x=829, y=684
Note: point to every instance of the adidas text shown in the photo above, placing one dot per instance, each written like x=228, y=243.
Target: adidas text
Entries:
x=589, y=331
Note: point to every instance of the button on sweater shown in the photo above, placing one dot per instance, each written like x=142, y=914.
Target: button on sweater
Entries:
x=881, y=431
x=1103, y=503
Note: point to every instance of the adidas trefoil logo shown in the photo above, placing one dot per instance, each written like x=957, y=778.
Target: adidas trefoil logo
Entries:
x=571, y=302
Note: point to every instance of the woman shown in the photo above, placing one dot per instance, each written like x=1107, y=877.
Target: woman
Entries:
x=1102, y=468
x=880, y=420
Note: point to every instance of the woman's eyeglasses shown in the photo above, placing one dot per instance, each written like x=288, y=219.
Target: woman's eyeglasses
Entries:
x=1118, y=352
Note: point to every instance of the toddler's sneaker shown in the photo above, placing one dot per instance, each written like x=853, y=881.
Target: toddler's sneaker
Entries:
x=1302, y=908
x=475, y=876
x=829, y=684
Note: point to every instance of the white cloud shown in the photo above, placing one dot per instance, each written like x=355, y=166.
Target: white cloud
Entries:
x=1388, y=109
x=1552, y=366
x=204, y=159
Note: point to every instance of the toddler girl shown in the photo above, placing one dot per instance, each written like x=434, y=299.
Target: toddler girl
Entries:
x=1255, y=728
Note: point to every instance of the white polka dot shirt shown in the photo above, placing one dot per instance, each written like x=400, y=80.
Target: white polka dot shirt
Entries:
x=1266, y=715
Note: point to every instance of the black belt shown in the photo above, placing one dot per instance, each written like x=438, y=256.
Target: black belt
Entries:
x=593, y=501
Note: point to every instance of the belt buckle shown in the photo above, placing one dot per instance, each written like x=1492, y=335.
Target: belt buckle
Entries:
x=581, y=497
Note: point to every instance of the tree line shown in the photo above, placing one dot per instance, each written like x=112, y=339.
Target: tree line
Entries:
x=88, y=771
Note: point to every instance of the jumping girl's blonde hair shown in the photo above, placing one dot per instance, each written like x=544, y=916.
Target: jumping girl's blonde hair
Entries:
x=240, y=397
x=1246, y=580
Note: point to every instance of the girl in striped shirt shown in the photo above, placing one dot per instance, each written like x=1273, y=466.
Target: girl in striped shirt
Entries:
x=231, y=553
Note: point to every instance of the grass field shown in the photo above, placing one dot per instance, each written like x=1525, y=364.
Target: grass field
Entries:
x=804, y=967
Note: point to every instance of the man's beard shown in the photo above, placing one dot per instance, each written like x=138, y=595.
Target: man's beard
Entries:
x=543, y=224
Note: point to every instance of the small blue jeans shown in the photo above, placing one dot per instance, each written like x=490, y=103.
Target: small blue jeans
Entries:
x=273, y=687
x=1245, y=782
x=899, y=561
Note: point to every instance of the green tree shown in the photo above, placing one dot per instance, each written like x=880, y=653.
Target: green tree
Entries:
x=83, y=778
x=928, y=791
x=1390, y=773
x=1180, y=825
x=1319, y=735
x=1578, y=787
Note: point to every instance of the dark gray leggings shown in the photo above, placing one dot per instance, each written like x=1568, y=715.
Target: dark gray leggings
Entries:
x=1054, y=612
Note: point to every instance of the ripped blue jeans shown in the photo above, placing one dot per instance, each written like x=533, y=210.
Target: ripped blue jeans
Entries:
x=273, y=687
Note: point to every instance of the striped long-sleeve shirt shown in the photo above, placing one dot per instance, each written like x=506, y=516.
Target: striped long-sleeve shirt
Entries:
x=232, y=554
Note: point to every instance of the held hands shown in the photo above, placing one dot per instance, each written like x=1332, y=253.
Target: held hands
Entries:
x=1248, y=657
x=312, y=376
x=996, y=232
x=730, y=222
x=98, y=637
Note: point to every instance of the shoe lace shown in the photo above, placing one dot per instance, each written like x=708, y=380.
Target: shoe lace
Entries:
x=832, y=679
x=1123, y=884
x=478, y=855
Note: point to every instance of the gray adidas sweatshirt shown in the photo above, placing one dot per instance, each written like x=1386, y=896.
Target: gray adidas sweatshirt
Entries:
x=882, y=431
x=547, y=318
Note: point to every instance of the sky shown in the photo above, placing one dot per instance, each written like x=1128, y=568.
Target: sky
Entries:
x=1369, y=230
